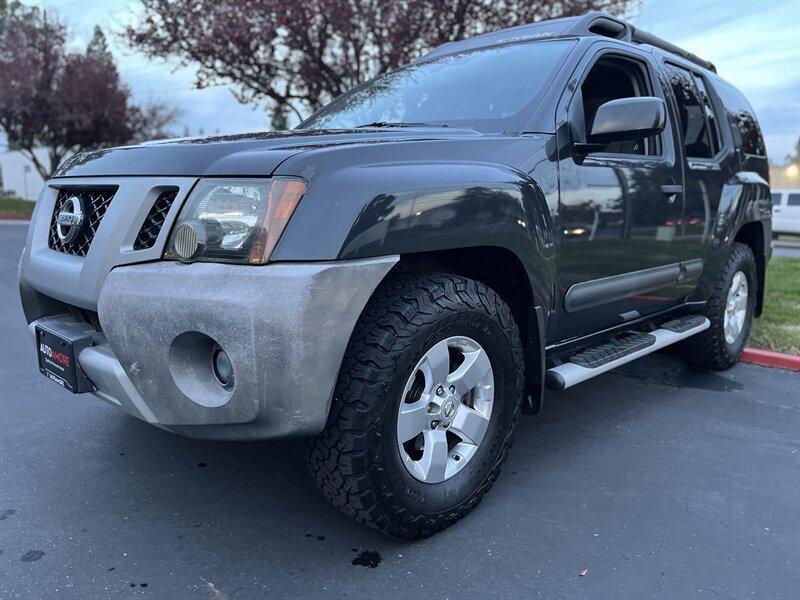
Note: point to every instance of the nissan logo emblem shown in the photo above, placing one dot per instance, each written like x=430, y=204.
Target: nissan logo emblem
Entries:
x=69, y=219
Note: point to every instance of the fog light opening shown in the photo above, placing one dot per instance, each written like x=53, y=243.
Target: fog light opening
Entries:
x=222, y=367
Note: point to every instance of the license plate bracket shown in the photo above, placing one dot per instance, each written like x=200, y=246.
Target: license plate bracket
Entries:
x=58, y=346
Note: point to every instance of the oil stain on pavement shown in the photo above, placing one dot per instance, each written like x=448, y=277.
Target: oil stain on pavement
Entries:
x=32, y=555
x=367, y=559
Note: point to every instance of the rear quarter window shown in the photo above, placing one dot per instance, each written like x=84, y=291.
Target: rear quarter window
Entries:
x=793, y=200
x=740, y=114
x=776, y=198
x=695, y=113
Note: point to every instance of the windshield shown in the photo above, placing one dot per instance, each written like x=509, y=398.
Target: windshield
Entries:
x=484, y=89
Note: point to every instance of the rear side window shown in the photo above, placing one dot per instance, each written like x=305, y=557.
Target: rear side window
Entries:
x=711, y=117
x=695, y=113
x=776, y=198
x=741, y=116
x=793, y=200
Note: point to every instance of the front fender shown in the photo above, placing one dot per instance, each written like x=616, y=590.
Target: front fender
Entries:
x=426, y=197
x=462, y=206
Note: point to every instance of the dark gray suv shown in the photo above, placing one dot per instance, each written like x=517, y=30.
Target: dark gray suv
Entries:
x=400, y=276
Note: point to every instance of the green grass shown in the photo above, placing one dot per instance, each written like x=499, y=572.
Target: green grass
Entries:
x=15, y=208
x=778, y=328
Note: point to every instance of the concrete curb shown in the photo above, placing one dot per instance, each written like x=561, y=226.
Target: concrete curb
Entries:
x=766, y=358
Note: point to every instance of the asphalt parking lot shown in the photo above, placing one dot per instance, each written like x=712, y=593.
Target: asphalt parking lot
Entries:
x=656, y=481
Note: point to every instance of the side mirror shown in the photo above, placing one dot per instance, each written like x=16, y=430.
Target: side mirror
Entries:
x=623, y=120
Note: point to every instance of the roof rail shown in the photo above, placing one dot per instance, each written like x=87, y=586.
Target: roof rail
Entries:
x=592, y=23
x=643, y=37
x=600, y=23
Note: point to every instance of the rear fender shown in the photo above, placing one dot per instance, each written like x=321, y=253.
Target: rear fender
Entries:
x=745, y=216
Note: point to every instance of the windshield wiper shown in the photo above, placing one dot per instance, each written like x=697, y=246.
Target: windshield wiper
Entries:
x=389, y=124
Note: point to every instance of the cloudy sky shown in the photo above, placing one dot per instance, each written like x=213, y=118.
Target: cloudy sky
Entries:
x=754, y=43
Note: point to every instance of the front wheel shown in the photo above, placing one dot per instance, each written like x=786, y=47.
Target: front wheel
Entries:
x=730, y=309
x=424, y=408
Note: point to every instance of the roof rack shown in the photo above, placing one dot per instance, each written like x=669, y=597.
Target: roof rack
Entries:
x=600, y=23
x=593, y=23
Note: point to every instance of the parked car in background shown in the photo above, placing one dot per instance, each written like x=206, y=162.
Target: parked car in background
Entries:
x=403, y=274
x=785, y=212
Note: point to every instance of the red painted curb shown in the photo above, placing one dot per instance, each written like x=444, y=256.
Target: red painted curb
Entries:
x=771, y=359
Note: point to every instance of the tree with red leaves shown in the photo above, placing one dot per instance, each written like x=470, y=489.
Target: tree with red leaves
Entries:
x=299, y=54
x=65, y=102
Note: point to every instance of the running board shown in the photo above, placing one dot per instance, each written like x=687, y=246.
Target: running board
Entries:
x=596, y=360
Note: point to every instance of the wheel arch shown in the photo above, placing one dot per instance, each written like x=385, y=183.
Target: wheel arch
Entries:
x=752, y=234
x=503, y=271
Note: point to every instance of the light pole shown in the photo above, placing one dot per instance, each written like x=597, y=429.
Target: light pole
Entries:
x=25, y=170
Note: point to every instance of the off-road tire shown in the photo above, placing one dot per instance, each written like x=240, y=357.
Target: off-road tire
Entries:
x=355, y=460
x=709, y=348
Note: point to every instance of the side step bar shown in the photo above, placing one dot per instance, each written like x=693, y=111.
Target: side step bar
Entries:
x=596, y=360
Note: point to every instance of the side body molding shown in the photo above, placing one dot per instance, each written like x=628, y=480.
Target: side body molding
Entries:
x=597, y=292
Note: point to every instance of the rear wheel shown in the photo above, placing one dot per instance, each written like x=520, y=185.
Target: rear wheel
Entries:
x=425, y=406
x=730, y=309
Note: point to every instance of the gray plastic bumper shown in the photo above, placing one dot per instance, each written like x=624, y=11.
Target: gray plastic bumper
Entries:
x=285, y=328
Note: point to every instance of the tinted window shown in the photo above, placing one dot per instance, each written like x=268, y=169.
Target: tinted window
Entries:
x=711, y=117
x=490, y=85
x=793, y=200
x=741, y=116
x=612, y=78
x=695, y=114
x=776, y=198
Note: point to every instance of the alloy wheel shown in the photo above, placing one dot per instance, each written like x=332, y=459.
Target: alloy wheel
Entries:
x=446, y=409
x=736, y=308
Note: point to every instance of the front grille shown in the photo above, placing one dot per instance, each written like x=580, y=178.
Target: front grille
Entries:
x=155, y=220
x=94, y=203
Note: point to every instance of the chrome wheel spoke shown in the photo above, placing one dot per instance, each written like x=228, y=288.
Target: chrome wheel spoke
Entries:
x=435, y=366
x=412, y=420
x=464, y=451
x=474, y=368
x=740, y=304
x=469, y=425
x=433, y=463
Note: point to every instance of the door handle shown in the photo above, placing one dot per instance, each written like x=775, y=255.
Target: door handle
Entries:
x=672, y=189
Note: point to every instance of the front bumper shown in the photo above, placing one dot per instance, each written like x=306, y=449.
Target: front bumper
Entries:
x=284, y=326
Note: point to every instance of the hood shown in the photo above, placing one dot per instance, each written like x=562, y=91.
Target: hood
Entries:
x=253, y=154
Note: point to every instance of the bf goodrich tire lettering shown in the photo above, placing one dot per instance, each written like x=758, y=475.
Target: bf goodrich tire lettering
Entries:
x=356, y=461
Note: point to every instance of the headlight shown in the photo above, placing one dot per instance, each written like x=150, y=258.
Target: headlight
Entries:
x=234, y=220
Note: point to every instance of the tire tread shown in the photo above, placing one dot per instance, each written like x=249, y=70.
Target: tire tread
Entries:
x=343, y=459
x=709, y=349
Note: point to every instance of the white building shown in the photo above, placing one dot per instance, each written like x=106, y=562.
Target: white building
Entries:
x=18, y=174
